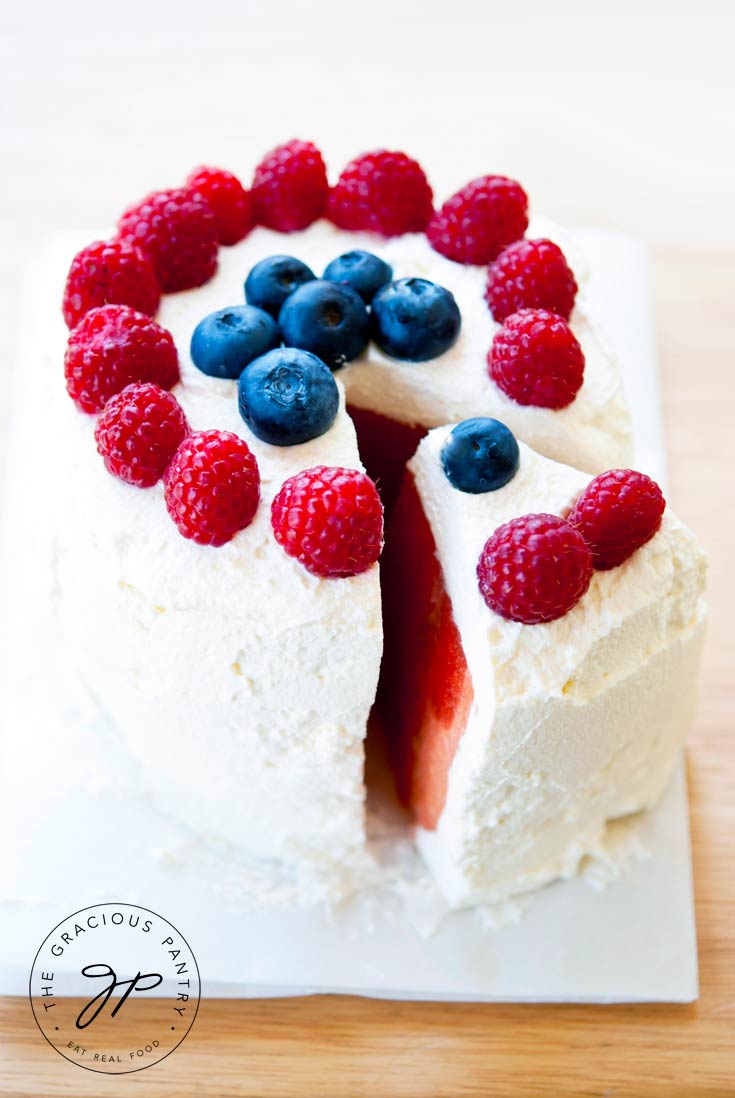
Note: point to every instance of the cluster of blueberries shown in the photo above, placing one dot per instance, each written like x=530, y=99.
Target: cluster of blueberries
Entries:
x=295, y=329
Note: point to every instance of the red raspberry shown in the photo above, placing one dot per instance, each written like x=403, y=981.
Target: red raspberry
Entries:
x=139, y=432
x=530, y=274
x=212, y=487
x=382, y=192
x=112, y=347
x=109, y=272
x=227, y=198
x=178, y=232
x=536, y=359
x=534, y=569
x=617, y=513
x=290, y=187
x=330, y=520
x=476, y=223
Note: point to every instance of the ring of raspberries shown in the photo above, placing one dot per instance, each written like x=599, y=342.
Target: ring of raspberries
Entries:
x=121, y=364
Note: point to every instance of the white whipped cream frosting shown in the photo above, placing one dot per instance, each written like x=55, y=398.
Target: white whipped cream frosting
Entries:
x=592, y=433
x=575, y=722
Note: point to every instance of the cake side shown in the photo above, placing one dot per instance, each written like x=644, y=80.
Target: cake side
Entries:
x=573, y=722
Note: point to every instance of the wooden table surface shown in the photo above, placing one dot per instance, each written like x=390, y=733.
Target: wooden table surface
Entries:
x=83, y=91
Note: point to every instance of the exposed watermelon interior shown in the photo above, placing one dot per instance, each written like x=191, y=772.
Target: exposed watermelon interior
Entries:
x=425, y=690
x=385, y=447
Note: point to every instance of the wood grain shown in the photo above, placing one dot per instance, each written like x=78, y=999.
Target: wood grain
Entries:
x=341, y=1046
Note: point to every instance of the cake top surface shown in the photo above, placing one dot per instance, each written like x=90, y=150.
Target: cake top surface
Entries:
x=393, y=293
x=593, y=431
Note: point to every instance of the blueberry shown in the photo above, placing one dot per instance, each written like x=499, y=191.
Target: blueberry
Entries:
x=480, y=455
x=273, y=279
x=329, y=320
x=363, y=271
x=288, y=396
x=224, y=342
x=415, y=320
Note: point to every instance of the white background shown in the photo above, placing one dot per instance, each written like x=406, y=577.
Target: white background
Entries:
x=617, y=114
